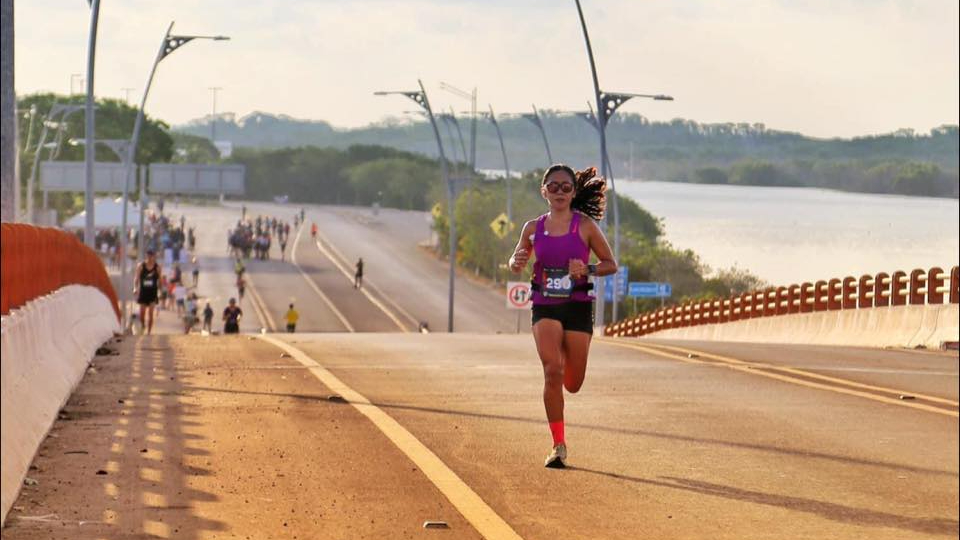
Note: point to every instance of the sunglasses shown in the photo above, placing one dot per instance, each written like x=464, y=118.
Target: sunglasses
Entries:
x=554, y=187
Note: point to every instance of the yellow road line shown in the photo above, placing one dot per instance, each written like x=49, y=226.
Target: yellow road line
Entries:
x=366, y=293
x=490, y=525
x=293, y=258
x=804, y=373
x=747, y=368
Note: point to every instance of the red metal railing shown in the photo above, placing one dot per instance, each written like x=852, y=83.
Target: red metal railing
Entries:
x=933, y=286
x=35, y=261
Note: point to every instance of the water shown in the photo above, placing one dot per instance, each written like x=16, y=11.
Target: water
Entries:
x=790, y=235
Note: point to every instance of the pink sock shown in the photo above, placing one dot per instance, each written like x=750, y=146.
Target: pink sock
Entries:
x=556, y=428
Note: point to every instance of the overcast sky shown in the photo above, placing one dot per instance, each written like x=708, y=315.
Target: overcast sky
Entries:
x=820, y=67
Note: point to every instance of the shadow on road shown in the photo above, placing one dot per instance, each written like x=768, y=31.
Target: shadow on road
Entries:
x=827, y=510
x=642, y=433
x=128, y=434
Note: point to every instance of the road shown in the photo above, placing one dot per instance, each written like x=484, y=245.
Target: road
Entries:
x=404, y=285
x=245, y=437
x=663, y=444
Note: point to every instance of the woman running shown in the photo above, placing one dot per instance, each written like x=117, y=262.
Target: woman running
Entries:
x=562, y=240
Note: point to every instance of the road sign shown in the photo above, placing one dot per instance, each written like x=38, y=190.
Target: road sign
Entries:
x=108, y=177
x=192, y=178
x=436, y=210
x=518, y=295
x=620, y=279
x=501, y=226
x=649, y=290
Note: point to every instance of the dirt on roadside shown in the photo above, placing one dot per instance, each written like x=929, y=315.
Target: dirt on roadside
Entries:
x=219, y=437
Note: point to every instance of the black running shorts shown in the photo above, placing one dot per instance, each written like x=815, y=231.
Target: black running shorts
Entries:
x=573, y=316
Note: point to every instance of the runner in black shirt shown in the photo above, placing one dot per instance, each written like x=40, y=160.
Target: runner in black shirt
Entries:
x=146, y=286
x=231, y=318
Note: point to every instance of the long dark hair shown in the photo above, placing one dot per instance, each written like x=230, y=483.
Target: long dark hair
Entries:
x=589, y=190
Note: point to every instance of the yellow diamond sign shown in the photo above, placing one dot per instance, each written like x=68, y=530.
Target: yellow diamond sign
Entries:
x=501, y=226
x=436, y=210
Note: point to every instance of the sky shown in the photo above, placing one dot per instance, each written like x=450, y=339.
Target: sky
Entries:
x=825, y=68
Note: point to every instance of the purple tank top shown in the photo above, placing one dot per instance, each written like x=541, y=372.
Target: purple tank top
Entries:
x=553, y=258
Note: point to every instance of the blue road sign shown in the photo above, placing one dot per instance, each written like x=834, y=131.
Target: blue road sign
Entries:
x=621, y=284
x=649, y=289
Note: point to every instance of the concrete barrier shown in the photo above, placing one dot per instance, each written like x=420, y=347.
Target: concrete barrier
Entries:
x=46, y=346
x=895, y=326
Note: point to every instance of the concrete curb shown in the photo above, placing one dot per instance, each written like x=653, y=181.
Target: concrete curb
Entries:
x=46, y=347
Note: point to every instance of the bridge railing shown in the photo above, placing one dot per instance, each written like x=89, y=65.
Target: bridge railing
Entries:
x=37, y=261
x=917, y=287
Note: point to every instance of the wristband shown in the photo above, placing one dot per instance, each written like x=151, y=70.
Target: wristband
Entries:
x=592, y=269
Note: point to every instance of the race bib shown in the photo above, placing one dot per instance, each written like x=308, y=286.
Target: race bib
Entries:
x=557, y=283
x=148, y=283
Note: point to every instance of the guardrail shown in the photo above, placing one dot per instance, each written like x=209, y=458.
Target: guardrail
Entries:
x=35, y=261
x=918, y=287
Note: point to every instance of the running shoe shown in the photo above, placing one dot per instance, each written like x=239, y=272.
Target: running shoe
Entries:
x=557, y=458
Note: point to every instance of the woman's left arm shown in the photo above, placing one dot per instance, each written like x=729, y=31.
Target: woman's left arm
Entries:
x=598, y=244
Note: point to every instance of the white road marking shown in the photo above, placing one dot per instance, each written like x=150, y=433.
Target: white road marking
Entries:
x=313, y=285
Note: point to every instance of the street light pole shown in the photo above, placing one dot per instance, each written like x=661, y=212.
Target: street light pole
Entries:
x=89, y=134
x=420, y=97
x=120, y=148
x=535, y=118
x=506, y=168
x=472, y=98
x=213, y=118
x=607, y=104
x=63, y=111
x=167, y=46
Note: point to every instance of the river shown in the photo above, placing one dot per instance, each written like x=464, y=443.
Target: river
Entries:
x=789, y=235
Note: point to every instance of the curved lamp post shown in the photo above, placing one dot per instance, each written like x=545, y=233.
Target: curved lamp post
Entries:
x=535, y=118
x=169, y=44
x=607, y=104
x=420, y=98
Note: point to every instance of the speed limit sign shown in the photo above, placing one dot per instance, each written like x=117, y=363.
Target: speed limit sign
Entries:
x=518, y=295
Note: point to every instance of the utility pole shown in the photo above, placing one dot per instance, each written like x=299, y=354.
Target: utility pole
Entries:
x=9, y=179
x=126, y=93
x=213, y=117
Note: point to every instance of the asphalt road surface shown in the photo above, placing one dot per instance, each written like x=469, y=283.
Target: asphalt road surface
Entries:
x=203, y=437
x=360, y=427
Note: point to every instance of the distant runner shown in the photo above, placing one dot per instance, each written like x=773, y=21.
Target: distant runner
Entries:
x=231, y=317
x=241, y=287
x=313, y=230
x=358, y=274
x=562, y=240
x=292, y=317
x=208, y=318
x=146, y=287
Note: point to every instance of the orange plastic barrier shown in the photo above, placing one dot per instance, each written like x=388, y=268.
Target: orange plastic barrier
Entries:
x=35, y=261
x=900, y=288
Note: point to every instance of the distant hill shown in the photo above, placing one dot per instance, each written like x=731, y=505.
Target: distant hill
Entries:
x=673, y=150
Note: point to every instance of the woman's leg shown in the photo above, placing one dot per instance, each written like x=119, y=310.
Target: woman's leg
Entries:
x=576, y=347
x=548, y=334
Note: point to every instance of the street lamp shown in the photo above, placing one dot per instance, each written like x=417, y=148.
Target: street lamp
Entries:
x=607, y=104
x=472, y=98
x=506, y=167
x=89, y=132
x=63, y=111
x=169, y=44
x=535, y=118
x=120, y=148
x=420, y=98
x=451, y=119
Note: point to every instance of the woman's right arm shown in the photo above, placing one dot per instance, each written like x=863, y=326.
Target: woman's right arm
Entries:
x=521, y=253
